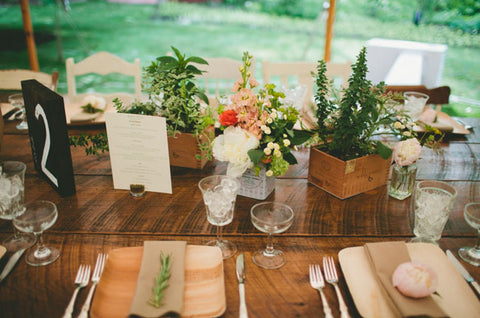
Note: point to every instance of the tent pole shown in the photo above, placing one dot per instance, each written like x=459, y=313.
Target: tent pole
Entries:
x=27, y=26
x=329, y=31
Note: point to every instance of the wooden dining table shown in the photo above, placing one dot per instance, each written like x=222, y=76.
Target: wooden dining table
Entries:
x=99, y=218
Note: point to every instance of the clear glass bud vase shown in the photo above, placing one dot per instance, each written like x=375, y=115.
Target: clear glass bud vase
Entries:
x=403, y=180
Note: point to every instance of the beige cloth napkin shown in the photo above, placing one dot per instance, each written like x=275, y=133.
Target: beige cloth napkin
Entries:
x=384, y=258
x=173, y=298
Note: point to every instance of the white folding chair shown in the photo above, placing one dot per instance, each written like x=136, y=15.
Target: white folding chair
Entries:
x=302, y=73
x=11, y=79
x=222, y=72
x=103, y=63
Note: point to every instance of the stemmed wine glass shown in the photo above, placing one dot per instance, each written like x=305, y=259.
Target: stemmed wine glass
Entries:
x=271, y=218
x=471, y=254
x=36, y=217
x=12, y=178
x=16, y=100
x=219, y=195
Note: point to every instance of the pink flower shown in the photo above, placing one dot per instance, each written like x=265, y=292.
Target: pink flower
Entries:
x=245, y=97
x=253, y=82
x=407, y=152
x=237, y=85
x=415, y=279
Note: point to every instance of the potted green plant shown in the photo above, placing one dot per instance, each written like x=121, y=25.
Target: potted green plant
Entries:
x=172, y=93
x=348, y=157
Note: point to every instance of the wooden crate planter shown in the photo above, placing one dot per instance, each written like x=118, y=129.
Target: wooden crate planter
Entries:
x=345, y=179
x=183, y=150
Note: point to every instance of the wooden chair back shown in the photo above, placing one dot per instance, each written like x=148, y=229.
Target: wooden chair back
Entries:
x=438, y=95
x=103, y=63
x=11, y=79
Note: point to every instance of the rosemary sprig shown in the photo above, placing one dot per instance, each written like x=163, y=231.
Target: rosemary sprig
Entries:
x=161, y=281
x=89, y=108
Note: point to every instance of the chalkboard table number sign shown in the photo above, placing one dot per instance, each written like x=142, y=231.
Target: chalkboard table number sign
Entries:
x=48, y=132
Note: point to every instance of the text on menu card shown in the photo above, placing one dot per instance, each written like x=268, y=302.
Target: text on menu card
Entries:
x=139, y=151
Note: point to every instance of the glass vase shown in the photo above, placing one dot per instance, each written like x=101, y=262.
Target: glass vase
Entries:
x=403, y=180
x=256, y=186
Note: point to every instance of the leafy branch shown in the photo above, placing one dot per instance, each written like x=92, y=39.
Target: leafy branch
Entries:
x=161, y=281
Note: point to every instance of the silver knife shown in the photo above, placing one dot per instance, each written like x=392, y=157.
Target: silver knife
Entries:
x=463, y=271
x=11, y=263
x=241, y=285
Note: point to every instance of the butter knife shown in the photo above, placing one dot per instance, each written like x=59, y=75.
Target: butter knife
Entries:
x=241, y=285
x=11, y=263
x=463, y=271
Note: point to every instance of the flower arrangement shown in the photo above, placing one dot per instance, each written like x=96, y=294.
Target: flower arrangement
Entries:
x=406, y=152
x=257, y=128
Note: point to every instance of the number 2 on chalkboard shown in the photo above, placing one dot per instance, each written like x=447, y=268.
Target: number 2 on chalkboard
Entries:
x=39, y=112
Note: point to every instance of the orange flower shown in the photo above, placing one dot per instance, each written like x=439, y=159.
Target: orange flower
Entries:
x=228, y=118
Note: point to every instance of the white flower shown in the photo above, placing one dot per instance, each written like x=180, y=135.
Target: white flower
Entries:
x=407, y=152
x=285, y=136
x=273, y=114
x=267, y=151
x=407, y=133
x=269, y=120
x=269, y=173
x=285, y=117
x=263, y=127
x=270, y=145
x=95, y=101
x=268, y=131
x=286, y=142
x=277, y=153
x=233, y=146
x=276, y=146
x=398, y=125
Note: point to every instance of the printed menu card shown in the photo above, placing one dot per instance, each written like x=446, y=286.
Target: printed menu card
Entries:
x=138, y=151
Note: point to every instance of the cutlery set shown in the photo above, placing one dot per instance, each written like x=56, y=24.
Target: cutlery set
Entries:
x=461, y=269
x=11, y=263
x=81, y=280
x=318, y=283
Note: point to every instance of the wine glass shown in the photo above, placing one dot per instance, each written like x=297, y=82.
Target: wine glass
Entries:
x=12, y=178
x=471, y=254
x=35, y=218
x=219, y=195
x=271, y=218
x=16, y=100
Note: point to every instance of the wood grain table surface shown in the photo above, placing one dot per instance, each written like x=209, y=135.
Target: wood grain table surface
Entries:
x=98, y=219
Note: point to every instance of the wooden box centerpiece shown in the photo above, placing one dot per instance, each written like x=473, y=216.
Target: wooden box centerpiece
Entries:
x=185, y=150
x=348, y=156
x=173, y=94
x=345, y=179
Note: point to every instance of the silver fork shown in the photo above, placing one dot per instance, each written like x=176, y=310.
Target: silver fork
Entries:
x=331, y=277
x=83, y=275
x=97, y=272
x=317, y=282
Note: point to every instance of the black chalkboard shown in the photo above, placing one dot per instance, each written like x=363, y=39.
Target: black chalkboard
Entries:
x=47, y=128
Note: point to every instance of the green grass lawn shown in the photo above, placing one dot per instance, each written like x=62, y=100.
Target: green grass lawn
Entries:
x=129, y=31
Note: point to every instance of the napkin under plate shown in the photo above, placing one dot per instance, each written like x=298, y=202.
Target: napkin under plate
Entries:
x=457, y=298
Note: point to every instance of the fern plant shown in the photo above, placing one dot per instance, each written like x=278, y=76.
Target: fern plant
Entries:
x=347, y=127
